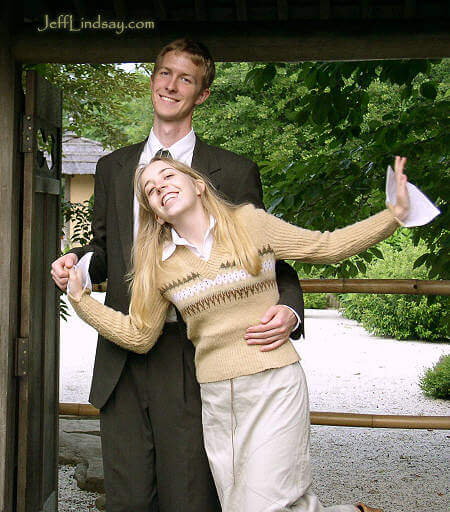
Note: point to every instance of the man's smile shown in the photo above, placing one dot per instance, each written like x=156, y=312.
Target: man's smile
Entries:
x=168, y=99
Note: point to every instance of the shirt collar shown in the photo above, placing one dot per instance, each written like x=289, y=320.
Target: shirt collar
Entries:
x=179, y=151
x=170, y=245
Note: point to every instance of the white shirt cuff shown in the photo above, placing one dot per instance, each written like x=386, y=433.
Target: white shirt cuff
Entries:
x=83, y=265
x=421, y=210
x=297, y=325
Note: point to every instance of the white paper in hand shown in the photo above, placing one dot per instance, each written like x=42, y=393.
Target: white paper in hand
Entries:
x=422, y=210
x=83, y=265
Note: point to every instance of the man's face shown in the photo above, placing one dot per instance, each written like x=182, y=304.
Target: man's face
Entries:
x=177, y=87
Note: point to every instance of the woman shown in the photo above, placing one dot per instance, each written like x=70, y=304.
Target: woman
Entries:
x=216, y=263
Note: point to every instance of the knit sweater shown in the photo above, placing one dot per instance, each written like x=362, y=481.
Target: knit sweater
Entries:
x=218, y=299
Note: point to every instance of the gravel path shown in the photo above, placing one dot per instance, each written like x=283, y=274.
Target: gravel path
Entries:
x=347, y=371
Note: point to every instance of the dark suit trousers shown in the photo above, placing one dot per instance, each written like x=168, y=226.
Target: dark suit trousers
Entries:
x=156, y=403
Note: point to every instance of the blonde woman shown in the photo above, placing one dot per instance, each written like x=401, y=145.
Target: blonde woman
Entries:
x=216, y=263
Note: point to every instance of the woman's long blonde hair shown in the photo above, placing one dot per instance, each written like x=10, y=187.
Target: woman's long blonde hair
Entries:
x=147, y=248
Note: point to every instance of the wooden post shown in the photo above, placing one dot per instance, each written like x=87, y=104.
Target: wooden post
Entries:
x=10, y=103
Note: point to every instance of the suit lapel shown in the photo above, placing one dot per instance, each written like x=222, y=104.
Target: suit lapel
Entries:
x=205, y=160
x=127, y=161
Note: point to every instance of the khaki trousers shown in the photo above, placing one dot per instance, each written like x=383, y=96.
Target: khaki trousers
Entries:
x=256, y=433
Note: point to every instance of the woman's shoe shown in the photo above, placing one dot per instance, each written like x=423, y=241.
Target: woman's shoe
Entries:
x=365, y=508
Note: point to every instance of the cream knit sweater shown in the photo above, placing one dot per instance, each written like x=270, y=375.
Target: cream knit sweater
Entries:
x=219, y=300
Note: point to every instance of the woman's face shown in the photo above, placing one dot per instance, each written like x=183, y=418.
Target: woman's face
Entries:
x=170, y=192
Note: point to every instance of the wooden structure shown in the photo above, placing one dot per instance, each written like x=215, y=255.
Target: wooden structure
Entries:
x=234, y=30
x=238, y=30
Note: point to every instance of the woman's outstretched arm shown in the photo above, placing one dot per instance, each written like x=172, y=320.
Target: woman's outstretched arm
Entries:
x=113, y=325
x=291, y=242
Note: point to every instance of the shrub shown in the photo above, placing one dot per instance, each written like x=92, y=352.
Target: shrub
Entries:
x=312, y=300
x=399, y=316
x=436, y=381
x=315, y=300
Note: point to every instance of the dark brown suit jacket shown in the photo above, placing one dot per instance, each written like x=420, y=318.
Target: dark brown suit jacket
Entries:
x=236, y=177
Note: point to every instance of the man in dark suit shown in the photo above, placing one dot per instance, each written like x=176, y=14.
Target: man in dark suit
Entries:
x=150, y=411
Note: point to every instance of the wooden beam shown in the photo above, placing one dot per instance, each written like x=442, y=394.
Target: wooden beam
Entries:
x=241, y=10
x=325, y=9
x=365, y=9
x=228, y=42
x=200, y=10
x=382, y=286
x=10, y=184
x=409, y=9
x=160, y=10
x=340, y=419
x=120, y=9
x=283, y=10
x=80, y=8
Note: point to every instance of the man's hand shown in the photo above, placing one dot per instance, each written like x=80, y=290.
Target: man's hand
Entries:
x=274, y=330
x=60, y=269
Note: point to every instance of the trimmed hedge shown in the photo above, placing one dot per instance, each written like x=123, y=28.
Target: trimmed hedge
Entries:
x=436, y=380
x=315, y=300
x=399, y=316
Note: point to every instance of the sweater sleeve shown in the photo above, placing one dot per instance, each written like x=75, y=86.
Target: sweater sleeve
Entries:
x=119, y=328
x=291, y=242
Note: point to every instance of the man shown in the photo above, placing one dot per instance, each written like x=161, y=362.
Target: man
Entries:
x=150, y=411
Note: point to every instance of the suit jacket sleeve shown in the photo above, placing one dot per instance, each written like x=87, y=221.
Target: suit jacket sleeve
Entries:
x=98, y=266
x=250, y=190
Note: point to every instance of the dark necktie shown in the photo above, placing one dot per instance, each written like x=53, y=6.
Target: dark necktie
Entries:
x=164, y=153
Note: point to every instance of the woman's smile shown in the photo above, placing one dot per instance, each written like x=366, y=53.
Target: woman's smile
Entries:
x=168, y=198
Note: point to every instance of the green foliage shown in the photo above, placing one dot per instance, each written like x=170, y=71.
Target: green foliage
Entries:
x=354, y=117
x=97, y=99
x=399, y=316
x=315, y=300
x=80, y=215
x=63, y=308
x=323, y=133
x=436, y=381
x=312, y=300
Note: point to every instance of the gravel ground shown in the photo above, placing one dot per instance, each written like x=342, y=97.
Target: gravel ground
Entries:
x=71, y=498
x=347, y=371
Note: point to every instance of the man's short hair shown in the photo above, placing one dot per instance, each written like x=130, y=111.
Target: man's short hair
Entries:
x=199, y=54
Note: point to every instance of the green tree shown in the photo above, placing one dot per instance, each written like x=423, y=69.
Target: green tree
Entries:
x=358, y=116
x=323, y=133
x=96, y=97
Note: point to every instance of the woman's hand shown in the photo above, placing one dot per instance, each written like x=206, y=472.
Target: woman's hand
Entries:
x=75, y=283
x=401, y=208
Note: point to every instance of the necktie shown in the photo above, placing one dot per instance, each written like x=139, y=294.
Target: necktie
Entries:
x=165, y=153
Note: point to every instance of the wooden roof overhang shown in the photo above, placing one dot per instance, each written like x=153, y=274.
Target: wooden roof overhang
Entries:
x=235, y=30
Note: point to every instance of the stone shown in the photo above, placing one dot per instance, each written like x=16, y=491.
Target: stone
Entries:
x=80, y=445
